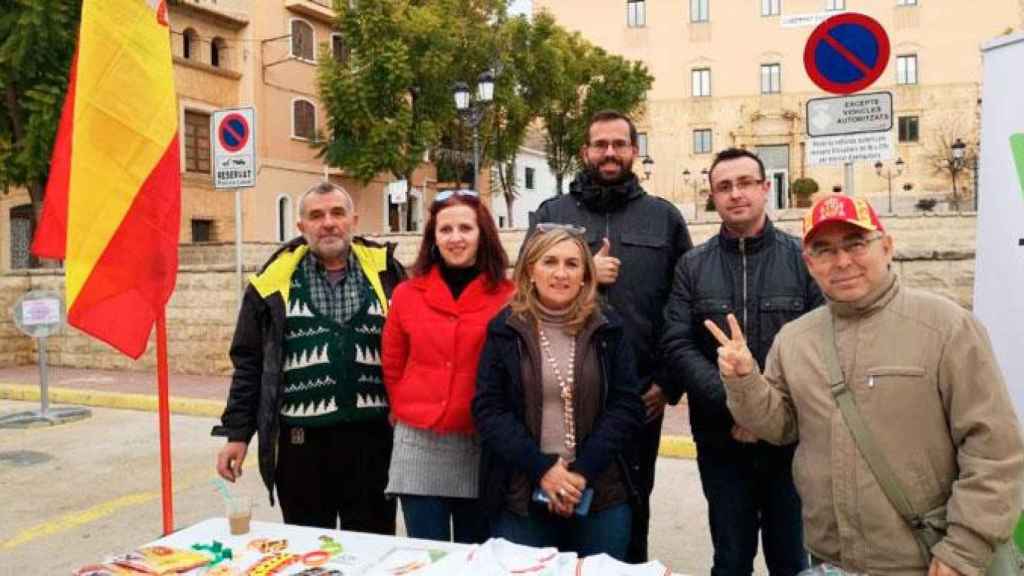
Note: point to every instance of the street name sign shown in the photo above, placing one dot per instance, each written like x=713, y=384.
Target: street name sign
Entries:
x=854, y=114
x=846, y=53
x=234, y=150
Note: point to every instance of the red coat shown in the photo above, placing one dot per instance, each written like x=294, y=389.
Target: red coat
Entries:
x=431, y=346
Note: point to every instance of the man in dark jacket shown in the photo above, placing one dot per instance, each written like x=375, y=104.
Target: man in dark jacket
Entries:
x=307, y=379
x=756, y=272
x=636, y=240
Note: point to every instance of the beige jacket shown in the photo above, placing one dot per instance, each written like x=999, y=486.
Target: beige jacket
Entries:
x=926, y=382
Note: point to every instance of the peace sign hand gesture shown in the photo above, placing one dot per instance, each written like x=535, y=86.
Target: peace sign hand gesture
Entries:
x=734, y=358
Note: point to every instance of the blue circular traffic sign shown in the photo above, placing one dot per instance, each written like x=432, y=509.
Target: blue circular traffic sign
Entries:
x=233, y=132
x=846, y=53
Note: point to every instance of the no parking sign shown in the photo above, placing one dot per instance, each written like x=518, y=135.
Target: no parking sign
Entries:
x=846, y=53
x=234, y=156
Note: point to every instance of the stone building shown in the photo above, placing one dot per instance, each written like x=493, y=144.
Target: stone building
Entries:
x=731, y=73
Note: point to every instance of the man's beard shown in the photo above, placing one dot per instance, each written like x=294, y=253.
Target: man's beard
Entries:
x=336, y=250
x=599, y=178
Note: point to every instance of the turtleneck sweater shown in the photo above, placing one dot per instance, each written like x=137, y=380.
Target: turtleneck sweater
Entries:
x=458, y=278
x=552, y=435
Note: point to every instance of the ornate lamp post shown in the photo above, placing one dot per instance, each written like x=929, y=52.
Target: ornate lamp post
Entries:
x=889, y=173
x=648, y=165
x=958, y=149
x=472, y=110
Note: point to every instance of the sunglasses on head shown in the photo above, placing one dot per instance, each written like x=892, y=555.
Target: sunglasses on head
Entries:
x=445, y=195
x=544, y=227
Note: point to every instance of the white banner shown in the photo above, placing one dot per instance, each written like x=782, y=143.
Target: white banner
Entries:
x=999, y=263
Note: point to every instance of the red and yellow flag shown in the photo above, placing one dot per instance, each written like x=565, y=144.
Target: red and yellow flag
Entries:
x=113, y=201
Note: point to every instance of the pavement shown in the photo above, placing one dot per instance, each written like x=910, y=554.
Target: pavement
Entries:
x=75, y=493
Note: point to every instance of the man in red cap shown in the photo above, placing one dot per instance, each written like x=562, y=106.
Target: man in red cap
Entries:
x=902, y=415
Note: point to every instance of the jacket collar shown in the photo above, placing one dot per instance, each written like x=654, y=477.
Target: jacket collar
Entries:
x=751, y=244
x=437, y=295
x=276, y=276
x=601, y=197
x=871, y=303
x=526, y=328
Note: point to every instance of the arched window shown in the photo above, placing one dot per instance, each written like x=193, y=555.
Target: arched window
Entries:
x=285, y=220
x=302, y=39
x=217, y=52
x=303, y=119
x=189, y=43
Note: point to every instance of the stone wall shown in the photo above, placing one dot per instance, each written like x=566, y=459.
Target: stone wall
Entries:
x=934, y=252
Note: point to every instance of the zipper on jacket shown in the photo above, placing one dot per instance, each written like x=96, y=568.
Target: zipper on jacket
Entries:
x=743, y=259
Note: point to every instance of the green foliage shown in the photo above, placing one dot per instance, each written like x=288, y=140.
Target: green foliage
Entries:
x=388, y=104
x=37, y=41
x=804, y=187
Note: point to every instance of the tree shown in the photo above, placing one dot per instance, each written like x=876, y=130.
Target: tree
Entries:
x=581, y=80
x=37, y=41
x=388, y=102
x=938, y=154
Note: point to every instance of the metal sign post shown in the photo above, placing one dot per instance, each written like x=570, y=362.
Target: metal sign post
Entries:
x=234, y=166
x=38, y=314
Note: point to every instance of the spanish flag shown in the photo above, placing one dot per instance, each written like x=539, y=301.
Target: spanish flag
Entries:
x=113, y=200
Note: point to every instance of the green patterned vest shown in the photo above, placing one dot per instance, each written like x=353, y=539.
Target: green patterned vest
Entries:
x=331, y=372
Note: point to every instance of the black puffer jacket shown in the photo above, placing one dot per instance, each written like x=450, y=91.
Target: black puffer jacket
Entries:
x=648, y=234
x=254, y=400
x=762, y=280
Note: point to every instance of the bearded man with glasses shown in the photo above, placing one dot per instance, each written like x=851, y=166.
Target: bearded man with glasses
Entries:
x=752, y=270
x=909, y=458
x=636, y=239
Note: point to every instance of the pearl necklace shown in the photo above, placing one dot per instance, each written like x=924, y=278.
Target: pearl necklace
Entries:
x=565, y=385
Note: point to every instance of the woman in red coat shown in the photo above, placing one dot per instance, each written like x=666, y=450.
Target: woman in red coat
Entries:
x=432, y=340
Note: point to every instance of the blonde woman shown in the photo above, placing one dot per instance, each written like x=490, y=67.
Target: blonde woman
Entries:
x=557, y=399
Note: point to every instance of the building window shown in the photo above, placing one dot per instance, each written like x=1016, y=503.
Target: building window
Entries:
x=636, y=13
x=699, y=10
x=189, y=42
x=909, y=128
x=284, y=218
x=771, y=78
x=906, y=2
x=303, y=119
x=21, y=236
x=197, y=142
x=906, y=69
x=702, y=141
x=771, y=7
x=302, y=40
x=641, y=144
x=216, y=52
x=700, y=81
x=835, y=5
x=528, y=175
x=202, y=230
x=339, y=50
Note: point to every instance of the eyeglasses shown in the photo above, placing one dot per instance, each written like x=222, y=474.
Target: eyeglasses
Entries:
x=445, y=195
x=545, y=227
x=827, y=253
x=742, y=185
x=620, y=146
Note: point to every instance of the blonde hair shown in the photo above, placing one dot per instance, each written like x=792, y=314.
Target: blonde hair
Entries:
x=526, y=303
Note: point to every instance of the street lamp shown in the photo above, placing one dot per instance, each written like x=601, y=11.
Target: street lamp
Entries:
x=648, y=165
x=891, y=172
x=958, y=148
x=472, y=110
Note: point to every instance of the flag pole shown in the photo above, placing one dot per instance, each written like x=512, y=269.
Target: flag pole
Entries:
x=165, y=422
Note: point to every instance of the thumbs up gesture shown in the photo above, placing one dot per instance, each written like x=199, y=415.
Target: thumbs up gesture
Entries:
x=734, y=358
x=606, y=264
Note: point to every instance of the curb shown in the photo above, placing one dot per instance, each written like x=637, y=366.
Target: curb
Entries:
x=142, y=402
x=671, y=446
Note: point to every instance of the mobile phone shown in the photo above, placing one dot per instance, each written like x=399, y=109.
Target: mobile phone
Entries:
x=582, y=509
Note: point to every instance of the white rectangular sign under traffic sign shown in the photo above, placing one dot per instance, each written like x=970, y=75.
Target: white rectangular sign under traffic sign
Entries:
x=867, y=147
x=853, y=114
x=233, y=138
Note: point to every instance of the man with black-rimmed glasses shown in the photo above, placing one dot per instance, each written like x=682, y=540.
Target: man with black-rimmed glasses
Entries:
x=752, y=270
